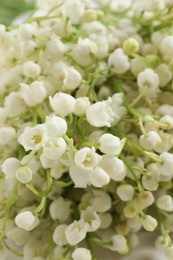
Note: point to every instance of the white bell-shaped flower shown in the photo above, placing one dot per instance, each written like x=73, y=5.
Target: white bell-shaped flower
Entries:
x=91, y=218
x=7, y=135
x=119, y=60
x=119, y=244
x=99, y=178
x=54, y=148
x=149, y=223
x=76, y=232
x=31, y=69
x=165, y=202
x=145, y=199
x=166, y=168
x=125, y=192
x=63, y=104
x=33, y=137
x=100, y=114
x=110, y=144
x=59, y=235
x=106, y=220
x=24, y=174
x=55, y=126
x=72, y=78
x=87, y=158
x=55, y=211
x=10, y=166
x=33, y=94
x=114, y=167
x=81, y=253
x=80, y=176
x=150, y=141
x=26, y=220
x=81, y=106
x=72, y=9
x=101, y=201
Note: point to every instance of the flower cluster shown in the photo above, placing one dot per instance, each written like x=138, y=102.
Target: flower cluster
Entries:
x=86, y=129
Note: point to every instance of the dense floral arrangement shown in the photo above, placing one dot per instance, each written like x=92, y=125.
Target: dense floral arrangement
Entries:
x=86, y=128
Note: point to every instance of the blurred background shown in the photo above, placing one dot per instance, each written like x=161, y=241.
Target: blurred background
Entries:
x=10, y=9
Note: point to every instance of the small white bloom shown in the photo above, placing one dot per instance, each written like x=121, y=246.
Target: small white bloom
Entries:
x=80, y=176
x=164, y=74
x=166, y=47
x=7, y=135
x=60, y=209
x=150, y=181
x=24, y=174
x=169, y=252
x=119, y=244
x=47, y=163
x=33, y=137
x=33, y=94
x=150, y=141
x=166, y=168
x=100, y=114
x=110, y=144
x=119, y=61
x=81, y=253
x=91, y=218
x=31, y=69
x=106, y=220
x=165, y=202
x=99, y=178
x=55, y=49
x=26, y=220
x=76, y=232
x=125, y=192
x=145, y=199
x=73, y=9
x=63, y=104
x=10, y=166
x=150, y=79
x=149, y=223
x=54, y=148
x=14, y=104
x=81, y=106
x=87, y=158
x=59, y=235
x=55, y=126
x=101, y=201
x=25, y=32
x=72, y=78
x=114, y=167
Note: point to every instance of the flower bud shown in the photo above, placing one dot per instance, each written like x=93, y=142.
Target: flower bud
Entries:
x=24, y=174
x=130, y=46
x=149, y=223
x=26, y=220
x=81, y=253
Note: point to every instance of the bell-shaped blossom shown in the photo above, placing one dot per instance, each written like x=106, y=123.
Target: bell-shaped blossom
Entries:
x=101, y=201
x=72, y=78
x=24, y=174
x=33, y=94
x=114, y=167
x=81, y=106
x=81, y=253
x=149, y=223
x=7, y=135
x=59, y=235
x=165, y=202
x=87, y=158
x=106, y=220
x=76, y=232
x=10, y=166
x=54, y=148
x=63, y=104
x=31, y=69
x=166, y=168
x=80, y=176
x=33, y=137
x=150, y=141
x=26, y=220
x=119, y=60
x=125, y=192
x=72, y=9
x=55, y=126
x=119, y=244
x=99, y=178
x=60, y=209
x=110, y=144
x=100, y=113
x=91, y=218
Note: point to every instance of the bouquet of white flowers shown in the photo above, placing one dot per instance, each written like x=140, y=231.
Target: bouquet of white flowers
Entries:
x=86, y=129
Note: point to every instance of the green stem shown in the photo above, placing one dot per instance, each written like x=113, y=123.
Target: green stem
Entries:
x=141, y=94
x=89, y=245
